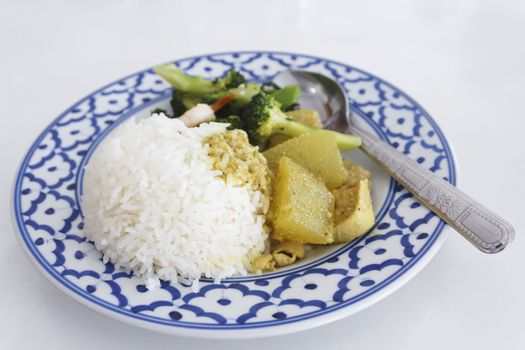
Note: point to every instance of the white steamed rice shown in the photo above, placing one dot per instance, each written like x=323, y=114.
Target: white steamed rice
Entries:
x=153, y=205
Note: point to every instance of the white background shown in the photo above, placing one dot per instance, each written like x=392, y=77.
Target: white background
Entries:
x=462, y=60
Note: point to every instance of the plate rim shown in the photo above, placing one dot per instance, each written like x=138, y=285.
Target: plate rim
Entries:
x=277, y=329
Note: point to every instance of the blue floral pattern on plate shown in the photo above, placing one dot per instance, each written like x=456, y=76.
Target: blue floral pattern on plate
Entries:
x=48, y=214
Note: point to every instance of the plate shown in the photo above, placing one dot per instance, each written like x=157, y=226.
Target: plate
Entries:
x=334, y=282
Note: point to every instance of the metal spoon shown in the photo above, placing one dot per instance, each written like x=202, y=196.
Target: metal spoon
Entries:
x=482, y=227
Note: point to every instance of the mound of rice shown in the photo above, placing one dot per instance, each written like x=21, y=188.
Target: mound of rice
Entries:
x=153, y=205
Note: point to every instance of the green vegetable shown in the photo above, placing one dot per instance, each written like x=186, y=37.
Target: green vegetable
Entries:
x=231, y=80
x=184, y=82
x=234, y=120
x=262, y=118
x=241, y=94
x=287, y=96
x=182, y=101
x=189, y=90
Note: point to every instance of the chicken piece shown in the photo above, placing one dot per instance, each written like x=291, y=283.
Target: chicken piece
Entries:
x=262, y=263
x=286, y=253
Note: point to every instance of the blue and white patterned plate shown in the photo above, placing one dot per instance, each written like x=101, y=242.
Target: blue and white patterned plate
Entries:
x=333, y=282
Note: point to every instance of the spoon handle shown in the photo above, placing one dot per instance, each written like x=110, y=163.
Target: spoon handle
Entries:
x=479, y=225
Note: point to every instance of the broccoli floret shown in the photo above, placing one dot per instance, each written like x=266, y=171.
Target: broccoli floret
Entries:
x=244, y=93
x=188, y=90
x=197, y=85
x=241, y=96
x=231, y=80
x=262, y=117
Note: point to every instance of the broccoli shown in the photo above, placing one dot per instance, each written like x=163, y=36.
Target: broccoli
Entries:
x=196, y=85
x=262, y=117
x=286, y=96
x=234, y=120
x=241, y=96
x=231, y=80
x=188, y=90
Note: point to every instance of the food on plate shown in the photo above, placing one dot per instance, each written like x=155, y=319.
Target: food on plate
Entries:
x=258, y=108
x=306, y=116
x=153, y=203
x=234, y=179
x=200, y=113
x=263, y=263
x=286, y=253
x=302, y=208
x=282, y=254
x=354, y=213
x=262, y=118
x=240, y=163
x=317, y=152
x=189, y=91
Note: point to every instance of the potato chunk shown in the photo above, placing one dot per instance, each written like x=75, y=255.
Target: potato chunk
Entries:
x=301, y=208
x=354, y=214
x=308, y=117
x=317, y=152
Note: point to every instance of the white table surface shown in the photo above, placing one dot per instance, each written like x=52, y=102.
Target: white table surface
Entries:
x=462, y=60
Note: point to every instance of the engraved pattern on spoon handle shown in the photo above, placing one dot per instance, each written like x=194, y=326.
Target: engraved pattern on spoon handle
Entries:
x=482, y=227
